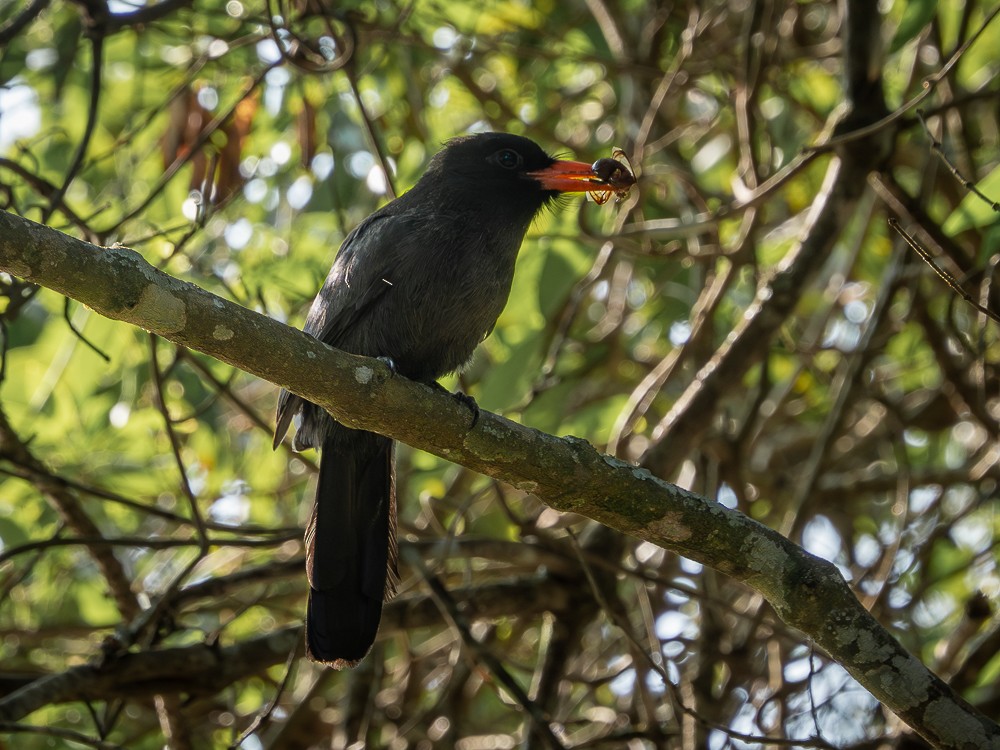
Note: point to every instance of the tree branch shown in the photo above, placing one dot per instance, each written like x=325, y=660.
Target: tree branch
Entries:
x=205, y=669
x=149, y=672
x=567, y=473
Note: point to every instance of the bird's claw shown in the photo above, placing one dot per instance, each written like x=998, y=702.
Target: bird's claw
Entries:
x=470, y=403
x=390, y=363
x=464, y=399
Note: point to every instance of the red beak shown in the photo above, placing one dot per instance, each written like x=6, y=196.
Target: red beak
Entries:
x=568, y=177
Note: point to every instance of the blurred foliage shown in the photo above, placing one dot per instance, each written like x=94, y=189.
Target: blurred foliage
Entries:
x=235, y=145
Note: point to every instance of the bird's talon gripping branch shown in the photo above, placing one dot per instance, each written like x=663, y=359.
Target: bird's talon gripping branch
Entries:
x=470, y=403
x=390, y=363
x=463, y=398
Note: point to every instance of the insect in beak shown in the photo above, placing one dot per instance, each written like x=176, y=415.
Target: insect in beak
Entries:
x=616, y=173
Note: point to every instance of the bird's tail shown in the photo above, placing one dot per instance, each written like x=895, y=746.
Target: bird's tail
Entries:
x=351, y=549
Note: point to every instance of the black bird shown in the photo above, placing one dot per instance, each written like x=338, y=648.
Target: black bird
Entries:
x=421, y=281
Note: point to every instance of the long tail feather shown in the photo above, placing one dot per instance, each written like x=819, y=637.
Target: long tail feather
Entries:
x=350, y=549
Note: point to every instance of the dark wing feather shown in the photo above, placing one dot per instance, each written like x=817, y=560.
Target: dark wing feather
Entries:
x=360, y=275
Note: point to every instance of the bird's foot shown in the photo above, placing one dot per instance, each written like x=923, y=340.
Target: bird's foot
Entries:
x=469, y=403
x=464, y=399
x=390, y=363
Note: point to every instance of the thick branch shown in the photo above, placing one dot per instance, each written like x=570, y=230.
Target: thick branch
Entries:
x=202, y=669
x=567, y=473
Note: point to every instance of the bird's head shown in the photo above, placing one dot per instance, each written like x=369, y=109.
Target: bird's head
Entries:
x=502, y=167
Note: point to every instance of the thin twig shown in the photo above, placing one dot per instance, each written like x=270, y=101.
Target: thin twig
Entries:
x=58, y=733
x=175, y=446
x=453, y=614
x=12, y=28
x=265, y=715
x=657, y=666
x=192, y=150
x=968, y=184
x=97, y=45
x=226, y=390
x=928, y=86
x=948, y=279
x=369, y=129
x=79, y=334
x=140, y=542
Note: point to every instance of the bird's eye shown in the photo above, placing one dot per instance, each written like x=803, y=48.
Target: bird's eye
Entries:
x=507, y=158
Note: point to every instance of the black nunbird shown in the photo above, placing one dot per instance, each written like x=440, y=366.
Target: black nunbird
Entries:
x=420, y=281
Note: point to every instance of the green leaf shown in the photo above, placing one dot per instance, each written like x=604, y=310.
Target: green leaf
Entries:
x=11, y=532
x=67, y=43
x=916, y=15
x=973, y=211
x=507, y=381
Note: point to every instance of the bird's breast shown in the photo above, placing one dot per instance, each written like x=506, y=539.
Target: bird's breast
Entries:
x=442, y=304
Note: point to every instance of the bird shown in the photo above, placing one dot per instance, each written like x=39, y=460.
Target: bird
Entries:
x=419, y=283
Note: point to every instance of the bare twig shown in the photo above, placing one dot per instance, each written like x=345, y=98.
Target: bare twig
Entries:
x=458, y=620
x=946, y=277
x=96, y=72
x=963, y=180
x=928, y=86
x=14, y=27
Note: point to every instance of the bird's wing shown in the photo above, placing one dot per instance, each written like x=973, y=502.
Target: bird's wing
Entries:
x=362, y=272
